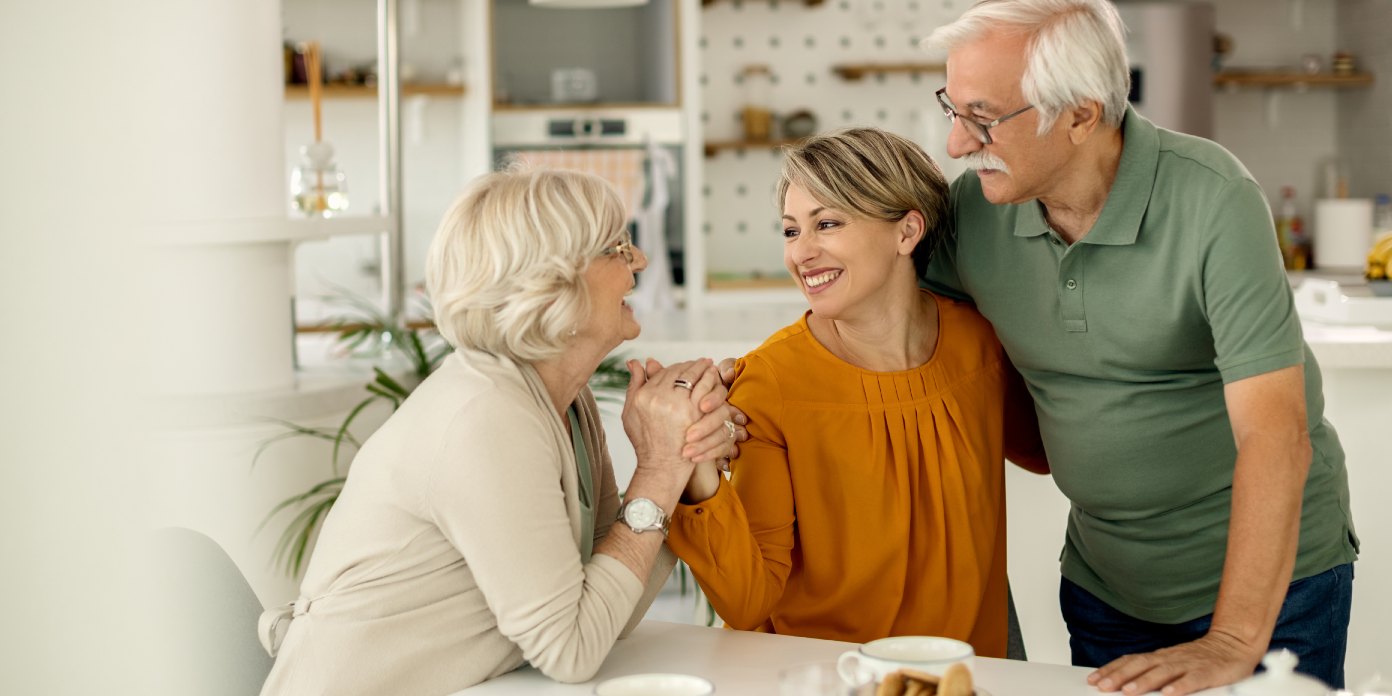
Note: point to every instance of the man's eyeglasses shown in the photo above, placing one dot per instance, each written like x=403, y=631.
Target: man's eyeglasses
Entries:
x=981, y=131
x=624, y=248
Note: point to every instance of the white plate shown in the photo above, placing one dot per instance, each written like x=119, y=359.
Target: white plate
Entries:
x=655, y=685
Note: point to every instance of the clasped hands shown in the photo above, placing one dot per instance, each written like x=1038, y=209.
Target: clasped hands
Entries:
x=680, y=410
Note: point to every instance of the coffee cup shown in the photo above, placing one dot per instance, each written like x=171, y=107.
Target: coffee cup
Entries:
x=878, y=658
x=655, y=685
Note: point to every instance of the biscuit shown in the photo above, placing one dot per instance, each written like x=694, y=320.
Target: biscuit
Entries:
x=956, y=681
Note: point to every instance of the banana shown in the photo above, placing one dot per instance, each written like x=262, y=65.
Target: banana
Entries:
x=1380, y=258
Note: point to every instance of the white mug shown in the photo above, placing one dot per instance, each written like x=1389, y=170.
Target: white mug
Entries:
x=655, y=685
x=878, y=658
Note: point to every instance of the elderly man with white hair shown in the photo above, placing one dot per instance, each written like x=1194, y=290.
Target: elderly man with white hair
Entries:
x=1133, y=276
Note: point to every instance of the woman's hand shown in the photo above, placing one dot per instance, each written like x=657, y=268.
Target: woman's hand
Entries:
x=662, y=402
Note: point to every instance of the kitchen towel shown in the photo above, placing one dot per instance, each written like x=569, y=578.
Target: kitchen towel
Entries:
x=1343, y=232
x=621, y=167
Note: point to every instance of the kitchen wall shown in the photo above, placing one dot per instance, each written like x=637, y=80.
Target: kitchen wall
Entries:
x=1365, y=116
x=1283, y=135
x=800, y=45
x=434, y=160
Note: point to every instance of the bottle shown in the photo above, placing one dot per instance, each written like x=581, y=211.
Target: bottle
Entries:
x=317, y=187
x=1286, y=221
x=1300, y=246
x=1382, y=215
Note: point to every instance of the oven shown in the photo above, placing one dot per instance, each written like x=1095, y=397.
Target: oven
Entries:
x=606, y=141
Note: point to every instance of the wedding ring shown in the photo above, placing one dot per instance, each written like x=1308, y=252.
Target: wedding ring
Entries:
x=683, y=384
x=730, y=428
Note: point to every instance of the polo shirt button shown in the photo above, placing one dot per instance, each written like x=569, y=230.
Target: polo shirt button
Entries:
x=1071, y=284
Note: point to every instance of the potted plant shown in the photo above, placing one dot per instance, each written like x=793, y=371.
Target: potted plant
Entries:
x=410, y=354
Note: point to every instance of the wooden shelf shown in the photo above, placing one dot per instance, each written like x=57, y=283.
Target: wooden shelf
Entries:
x=578, y=106
x=714, y=148
x=718, y=281
x=370, y=91
x=808, y=3
x=1284, y=78
x=857, y=71
x=332, y=327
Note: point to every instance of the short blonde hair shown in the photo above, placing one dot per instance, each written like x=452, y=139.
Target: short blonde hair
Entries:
x=874, y=174
x=506, y=269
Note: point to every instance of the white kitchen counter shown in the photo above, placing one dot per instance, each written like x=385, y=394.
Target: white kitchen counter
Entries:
x=742, y=663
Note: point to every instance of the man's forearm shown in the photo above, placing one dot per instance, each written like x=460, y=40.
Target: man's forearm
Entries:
x=1263, y=534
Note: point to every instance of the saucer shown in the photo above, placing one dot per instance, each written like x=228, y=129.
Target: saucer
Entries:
x=655, y=685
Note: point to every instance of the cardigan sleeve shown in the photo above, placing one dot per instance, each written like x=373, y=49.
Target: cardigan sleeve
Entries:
x=607, y=506
x=742, y=557
x=495, y=493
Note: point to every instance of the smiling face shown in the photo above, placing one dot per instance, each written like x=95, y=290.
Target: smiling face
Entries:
x=983, y=83
x=843, y=264
x=609, y=280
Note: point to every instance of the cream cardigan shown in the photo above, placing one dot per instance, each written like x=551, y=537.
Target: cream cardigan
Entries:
x=452, y=555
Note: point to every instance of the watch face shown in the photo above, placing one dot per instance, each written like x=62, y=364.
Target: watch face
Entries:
x=641, y=513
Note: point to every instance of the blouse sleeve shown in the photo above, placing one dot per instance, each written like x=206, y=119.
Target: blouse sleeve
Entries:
x=1023, y=445
x=741, y=556
x=495, y=493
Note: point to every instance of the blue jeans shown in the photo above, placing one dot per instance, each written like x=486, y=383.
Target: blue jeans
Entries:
x=1313, y=624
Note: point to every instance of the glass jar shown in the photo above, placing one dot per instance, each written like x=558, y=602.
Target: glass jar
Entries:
x=757, y=114
x=317, y=186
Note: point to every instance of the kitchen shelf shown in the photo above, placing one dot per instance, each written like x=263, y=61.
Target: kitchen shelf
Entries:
x=315, y=228
x=808, y=3
x=1283, y=78
x=260, y=230
x=714, y=148
x=716, y=281
x=335, y=327
x=583, y=106
x=333, y=91
x=853, y=72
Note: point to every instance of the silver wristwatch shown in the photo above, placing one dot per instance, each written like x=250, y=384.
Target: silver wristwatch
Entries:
x=643, y=515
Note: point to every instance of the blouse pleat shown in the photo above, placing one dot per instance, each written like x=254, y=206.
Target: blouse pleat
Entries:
x=867, y=504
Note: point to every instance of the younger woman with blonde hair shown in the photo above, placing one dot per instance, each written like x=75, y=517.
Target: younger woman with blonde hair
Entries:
x=869, y=500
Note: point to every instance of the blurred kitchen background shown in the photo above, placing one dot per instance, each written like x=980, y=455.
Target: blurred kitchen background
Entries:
x=682, y=103
x=1295, y=95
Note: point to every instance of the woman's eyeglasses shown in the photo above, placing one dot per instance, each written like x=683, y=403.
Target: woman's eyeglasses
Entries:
x=624, y=248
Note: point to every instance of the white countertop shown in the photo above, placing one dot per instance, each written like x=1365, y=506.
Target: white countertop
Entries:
x=742, y=663
x=722, y=331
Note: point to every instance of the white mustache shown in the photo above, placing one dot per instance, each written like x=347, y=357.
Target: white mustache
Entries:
x=984, y=160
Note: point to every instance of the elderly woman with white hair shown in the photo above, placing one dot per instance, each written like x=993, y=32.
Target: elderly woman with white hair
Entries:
x=480, y=528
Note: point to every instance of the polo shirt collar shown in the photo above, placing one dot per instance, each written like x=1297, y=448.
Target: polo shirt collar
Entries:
x=1120, y=221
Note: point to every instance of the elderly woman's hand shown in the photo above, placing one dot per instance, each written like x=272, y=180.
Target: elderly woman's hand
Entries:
x=662, y=402
x=716, y=435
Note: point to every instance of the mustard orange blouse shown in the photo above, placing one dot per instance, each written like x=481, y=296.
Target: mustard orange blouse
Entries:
x=866, y=504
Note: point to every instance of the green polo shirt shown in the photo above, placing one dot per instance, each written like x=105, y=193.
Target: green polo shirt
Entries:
x=1126, y=339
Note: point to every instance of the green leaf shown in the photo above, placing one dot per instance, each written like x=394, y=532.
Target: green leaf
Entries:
x=343, y=429
x=386, y=380
x=389, y=396
x=290, y=547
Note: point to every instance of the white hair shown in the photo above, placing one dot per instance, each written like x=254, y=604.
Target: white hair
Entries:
x=506, y=269
x=1076, y=52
